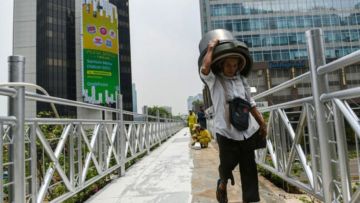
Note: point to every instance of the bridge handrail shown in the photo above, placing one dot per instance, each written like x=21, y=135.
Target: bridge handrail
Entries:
x=80, y=151
x=327, y=68
x=300, y=130
x=283, y=85
x=340, y=63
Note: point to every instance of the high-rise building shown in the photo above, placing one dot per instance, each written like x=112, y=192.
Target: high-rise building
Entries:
x=124, y=52
x=274, y=30
x=134, y=96
x=47, y=33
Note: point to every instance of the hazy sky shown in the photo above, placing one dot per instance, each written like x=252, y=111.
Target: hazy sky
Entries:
x=6, y=46
x=164, y=47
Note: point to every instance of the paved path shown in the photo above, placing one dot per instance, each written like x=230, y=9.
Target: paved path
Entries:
x=175, y=173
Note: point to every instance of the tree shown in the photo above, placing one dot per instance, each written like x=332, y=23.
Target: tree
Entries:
x=196, y=105
x=162, y=111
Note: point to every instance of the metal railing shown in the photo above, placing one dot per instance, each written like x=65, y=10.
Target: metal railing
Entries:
x=307, y=145
x=52, y=159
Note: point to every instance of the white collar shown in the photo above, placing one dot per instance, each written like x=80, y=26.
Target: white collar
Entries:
x=235, y=77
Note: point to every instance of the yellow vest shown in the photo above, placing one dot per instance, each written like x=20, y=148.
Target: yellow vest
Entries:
x=192, y=119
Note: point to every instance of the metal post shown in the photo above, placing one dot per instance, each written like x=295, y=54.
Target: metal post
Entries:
x=147, y=131
x=313, y=151
x=342, y=150
x=16, y=108
x=158, y=126
x=315, y=47
x=79, y=153
x=34, y=161
x=72, y=155
x=120, y=118
x=168, y=123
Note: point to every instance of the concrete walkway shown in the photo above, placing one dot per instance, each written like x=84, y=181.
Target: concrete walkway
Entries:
x=176, y=173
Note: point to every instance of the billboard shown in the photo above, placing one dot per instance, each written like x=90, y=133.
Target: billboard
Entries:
x=100, y=52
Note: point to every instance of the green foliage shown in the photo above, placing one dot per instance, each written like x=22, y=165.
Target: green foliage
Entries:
x=355, y=186
x=350, y=134
x=266, y=116
x=162, y=111
x=196, y=105
x=305, y=199
x=278, y=181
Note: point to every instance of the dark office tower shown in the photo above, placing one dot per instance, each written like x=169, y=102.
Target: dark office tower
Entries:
x=55, y=53
x=124, y=53
x=47, y=33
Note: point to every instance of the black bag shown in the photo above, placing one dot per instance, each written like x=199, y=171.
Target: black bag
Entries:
x=259, y=141
x=239, y=113
x=239, y=117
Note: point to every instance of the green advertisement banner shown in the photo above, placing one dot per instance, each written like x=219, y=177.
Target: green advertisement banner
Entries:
x=100, y=53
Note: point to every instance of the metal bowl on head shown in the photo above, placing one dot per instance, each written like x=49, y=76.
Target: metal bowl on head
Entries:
x=221, y=34
x=228, y=47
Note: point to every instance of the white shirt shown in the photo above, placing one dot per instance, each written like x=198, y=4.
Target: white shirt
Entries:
x=236, y=87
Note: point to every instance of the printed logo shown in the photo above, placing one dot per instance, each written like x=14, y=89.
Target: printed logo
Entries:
x=103, y=31
x=108, y=43
x=112, y=34
x=91, y=29
x=98, y=41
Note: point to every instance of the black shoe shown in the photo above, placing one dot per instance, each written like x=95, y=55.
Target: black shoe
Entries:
x=221, y=195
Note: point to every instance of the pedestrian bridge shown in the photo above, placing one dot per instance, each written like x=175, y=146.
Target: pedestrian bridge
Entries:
x=312, y=143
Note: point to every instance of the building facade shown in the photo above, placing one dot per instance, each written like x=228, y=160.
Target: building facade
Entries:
x=47, y=33
x=274, y=30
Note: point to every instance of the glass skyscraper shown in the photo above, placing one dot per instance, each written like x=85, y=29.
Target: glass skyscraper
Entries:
x=274, y=30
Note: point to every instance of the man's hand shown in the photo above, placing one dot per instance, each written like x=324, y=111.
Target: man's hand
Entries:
x=205, y=68
x=213, y=43
x=260, y=120
x=263, y=130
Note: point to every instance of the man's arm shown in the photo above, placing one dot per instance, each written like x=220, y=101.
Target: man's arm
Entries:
x=205, y=68
x=258, y=117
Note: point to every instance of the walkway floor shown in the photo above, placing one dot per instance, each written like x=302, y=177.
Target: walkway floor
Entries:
x=176, y=173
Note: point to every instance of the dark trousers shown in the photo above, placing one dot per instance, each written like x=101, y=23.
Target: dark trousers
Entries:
x=233, y=153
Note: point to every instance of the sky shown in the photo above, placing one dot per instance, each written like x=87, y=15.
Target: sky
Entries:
x=6, y=46
x=164, y=47
x=164, y=51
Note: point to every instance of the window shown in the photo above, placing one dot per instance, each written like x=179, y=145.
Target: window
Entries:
x=285, y=55
x=256, y=41
x=283, y=39
x=276, y=55
x=228, y=25
x=267, y=55
x=257, y=56
x=317, y=21
x=246, y=24
x=235, y=9
x=354, y=35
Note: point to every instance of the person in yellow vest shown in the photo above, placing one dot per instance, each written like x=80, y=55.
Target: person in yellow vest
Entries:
x=192, y=119
x=201, y=135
